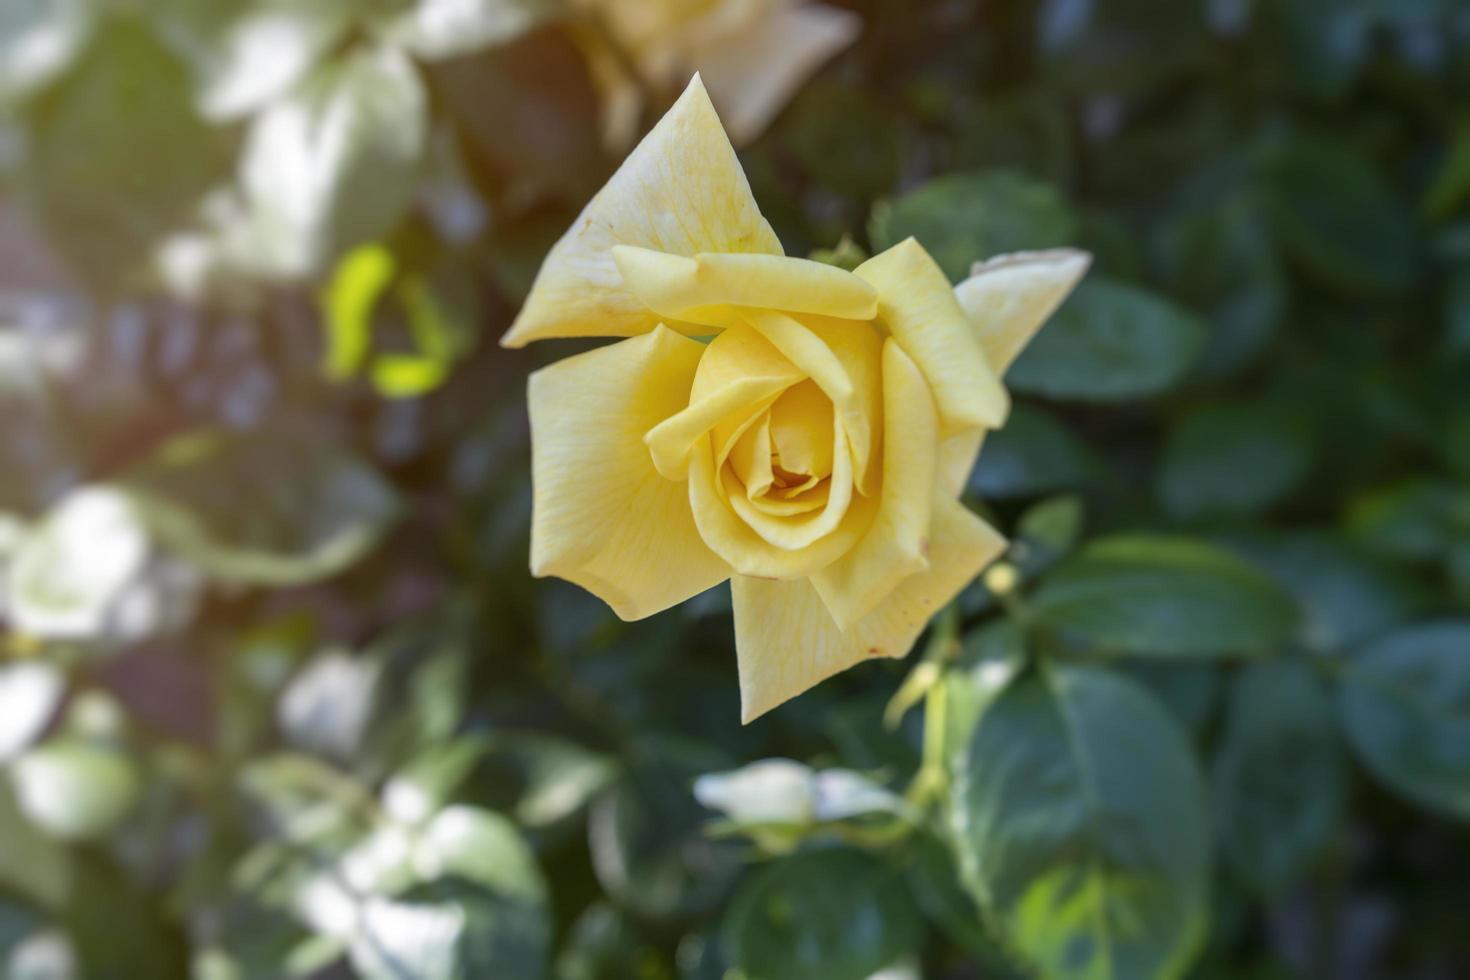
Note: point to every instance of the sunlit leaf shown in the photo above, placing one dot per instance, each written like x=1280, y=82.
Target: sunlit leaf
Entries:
x=38, y=40
x=1080, y=817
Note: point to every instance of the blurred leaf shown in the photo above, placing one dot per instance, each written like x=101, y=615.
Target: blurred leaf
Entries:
x=1416, y=519
x=1109, y=342
x=1278, y=776
x=71, y=569
x=248, y=53
x=274, y=508
x=966, y=218
x=991, y=657
x=1404, y=701
x=1046, y=533
x=1164, y=597
x=1080, y=816
x=1346, y=595
x=119, y=155
x=357, y=285
x=1457, y=315
x=436, y=29
x=1368, y=247
x=934, y=879
x=1190, y=690
x=326, y=707
x=1232, y=458
x=646, y=835
x=845, y=138
x=333, y=165
x=1451, y=187
x=29, y=696
x=836, y=913
x=544, y=779
x=33, y=863
x=38, y=41
x=74, y=790
x=777, y=801
x=1223, y=262
x=1033, y=453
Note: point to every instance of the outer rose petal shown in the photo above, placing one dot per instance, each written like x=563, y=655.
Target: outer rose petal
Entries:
x=680, y=191
x=897, y=544
x=752, y=74
x=918, y=305
x=787, y=642
x=1009, y=297
x=703, y=289
x=957, y=456
x=603, y=517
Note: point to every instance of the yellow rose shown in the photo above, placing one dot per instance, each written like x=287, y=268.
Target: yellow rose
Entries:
x=752, y=53
x=812, y=451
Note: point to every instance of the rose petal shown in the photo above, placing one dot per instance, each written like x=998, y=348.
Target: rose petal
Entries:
x=897, y=544
x=1009, y=297
x=603, y=517
x=705, y=289
x=786, y=640
x=918, y=305
x=681, y=191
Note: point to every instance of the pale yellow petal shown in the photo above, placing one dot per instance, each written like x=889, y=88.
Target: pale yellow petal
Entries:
x=752, y=74
x=918, y=305
x=897, y=545
x=957, y=455
x=802, y=430
x=842, y=357
x=742, y=548
x=787, y=642
x=704, y=288
x=793, y=533
x=602, y=516
x=681, y=191
x=1009, y=297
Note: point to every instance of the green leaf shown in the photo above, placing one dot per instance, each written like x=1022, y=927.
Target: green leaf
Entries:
x=1405, y=705
x=1033, y=453
x=991, y=657
x=1189, y=689
x=649, y=848
x=1369, y=247
x=1164, y=597
x=39, y=39
x=248, y=53
x=32, y=863
x=1278, y=777
x=439, y=29
x=30, y=693
x=71, y=569
x=967, y=218
x=74, y=790
x=839, y=914
x=1233, y=458
x=1046, y=533
x=1416, y=519
x=334, y=165
x=543, y=779
x=1222, y=261
x=359, y=281
x=271, y=508
x=119, y=156
x=1080, y=817
x=1109, y=342
x=1346, y=594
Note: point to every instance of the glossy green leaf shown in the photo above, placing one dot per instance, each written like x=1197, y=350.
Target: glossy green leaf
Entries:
x=966, y=218
x=1164, y=597
x=1404, y=700
x=276, y=508
x=1109, y=342
x=839, y=914
x=1080, y=817
x=1278, y=779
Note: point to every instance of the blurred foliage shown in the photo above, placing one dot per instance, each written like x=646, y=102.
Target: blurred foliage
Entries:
x=279, y=699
